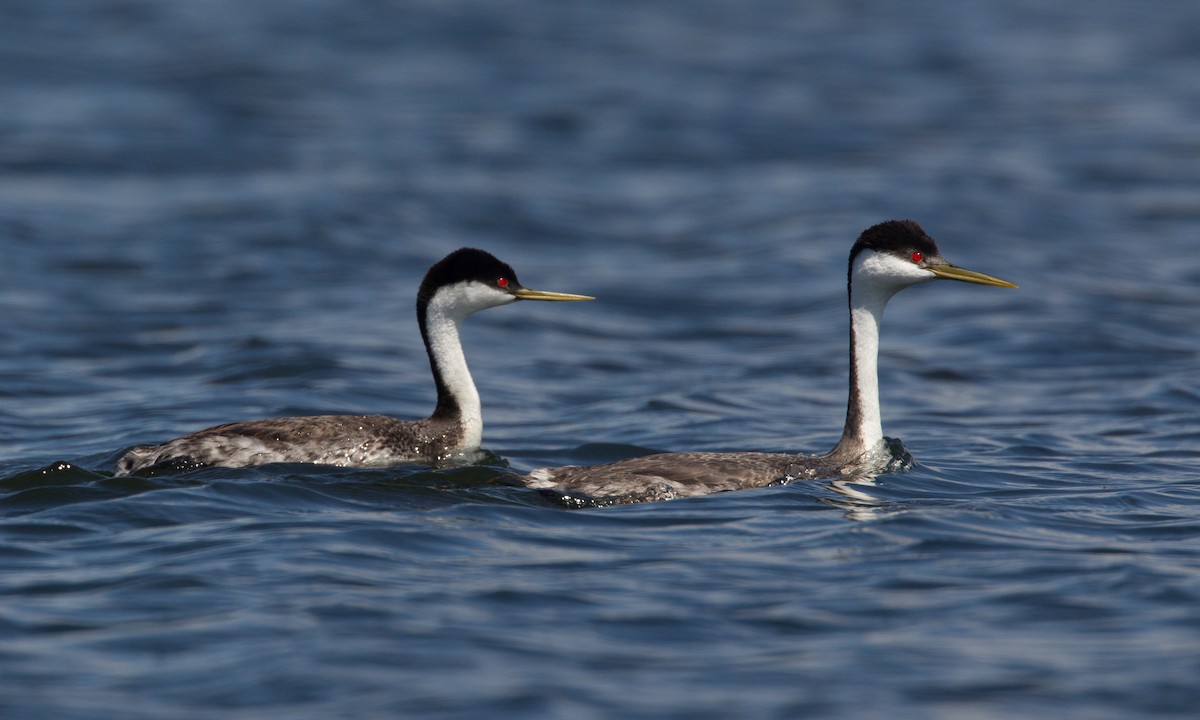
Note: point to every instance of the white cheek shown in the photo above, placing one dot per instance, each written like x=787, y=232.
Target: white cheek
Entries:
x=889, y=270
x=878, y=277
x=459, y=301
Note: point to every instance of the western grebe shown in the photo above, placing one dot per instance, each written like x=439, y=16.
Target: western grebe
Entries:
x=464, y=282
x=887, y=258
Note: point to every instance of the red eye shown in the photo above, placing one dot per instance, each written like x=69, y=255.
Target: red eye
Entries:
x=502, y=282
x=917, y=257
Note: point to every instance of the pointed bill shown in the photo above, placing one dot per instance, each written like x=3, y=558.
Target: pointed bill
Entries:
x=951, y=272
x=527, y=294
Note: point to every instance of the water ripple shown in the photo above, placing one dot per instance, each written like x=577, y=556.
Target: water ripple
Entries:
x=215, y=212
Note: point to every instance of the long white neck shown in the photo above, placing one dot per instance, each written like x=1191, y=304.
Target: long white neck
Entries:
x=863, y=432
x=864, y=356
x=457, y=396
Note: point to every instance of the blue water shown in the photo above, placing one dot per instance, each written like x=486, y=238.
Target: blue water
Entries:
x=220, y=211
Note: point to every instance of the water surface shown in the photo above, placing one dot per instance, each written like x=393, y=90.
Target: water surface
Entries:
x=220, y=211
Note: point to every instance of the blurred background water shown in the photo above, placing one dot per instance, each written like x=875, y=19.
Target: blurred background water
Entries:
x=215, y=211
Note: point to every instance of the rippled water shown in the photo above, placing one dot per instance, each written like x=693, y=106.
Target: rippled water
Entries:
x=220, y=211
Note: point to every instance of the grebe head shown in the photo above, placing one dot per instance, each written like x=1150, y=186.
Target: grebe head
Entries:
x=469, y=280
x=893, y=255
